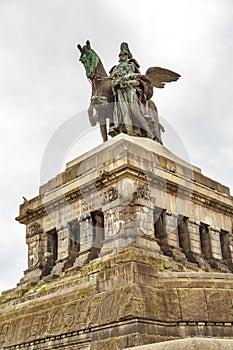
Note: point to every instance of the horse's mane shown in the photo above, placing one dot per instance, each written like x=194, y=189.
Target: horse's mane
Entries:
x=100, y=71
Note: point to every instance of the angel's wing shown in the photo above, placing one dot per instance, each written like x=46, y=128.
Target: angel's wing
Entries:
x=159, y=76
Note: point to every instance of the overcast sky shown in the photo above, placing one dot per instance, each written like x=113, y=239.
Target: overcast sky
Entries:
x=42, y=85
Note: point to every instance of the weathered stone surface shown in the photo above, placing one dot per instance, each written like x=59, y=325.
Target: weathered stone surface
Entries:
x=108, y=300
x=189, y=344
x=218, y=305
x=130, y=245
x=166, y=305
x=189, y=299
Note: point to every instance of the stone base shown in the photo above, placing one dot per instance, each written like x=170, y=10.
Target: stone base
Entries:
x=124, y=299
x=122, y=241
x=175, y=253
x=59, y=267
x=121, y=209
x=31, y=276
x=197, y=259
x=219, y=265
x=189, y=344
x=86, y=256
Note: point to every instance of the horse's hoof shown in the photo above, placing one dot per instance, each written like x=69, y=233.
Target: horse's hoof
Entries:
x=113, y=132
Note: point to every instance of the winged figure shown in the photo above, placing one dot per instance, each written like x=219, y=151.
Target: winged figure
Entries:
x=124, y=95
x=159, y=76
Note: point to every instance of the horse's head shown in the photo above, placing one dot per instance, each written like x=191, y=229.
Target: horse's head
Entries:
x=89, y=59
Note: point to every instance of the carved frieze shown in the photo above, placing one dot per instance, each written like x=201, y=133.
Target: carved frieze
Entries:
x=33, y=254
x=112, y=222
x=110, y=194
x=142, y=192
x=34, y=228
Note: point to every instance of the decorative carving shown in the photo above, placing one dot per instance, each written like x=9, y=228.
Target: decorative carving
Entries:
x=69, y=316
x=112, y=222
x=3, y=332
x=33, y=256
x=155, y=181
x=145, y=219
x=142, y=192
x=36, y=323
x=110, y=194
x=34, y=228
x=193, y=221
x=57, y=320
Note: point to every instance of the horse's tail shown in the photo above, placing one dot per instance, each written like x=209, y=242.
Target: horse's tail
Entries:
x=92, y=116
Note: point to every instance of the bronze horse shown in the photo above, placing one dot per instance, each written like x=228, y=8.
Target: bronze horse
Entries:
x=102, y=96
x=102, y=99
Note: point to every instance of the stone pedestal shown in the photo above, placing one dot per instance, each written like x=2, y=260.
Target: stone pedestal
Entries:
x=129, y=245
x=129, y=222
x=189, y=344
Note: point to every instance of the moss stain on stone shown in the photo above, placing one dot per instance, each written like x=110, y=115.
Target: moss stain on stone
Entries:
x=155, y=304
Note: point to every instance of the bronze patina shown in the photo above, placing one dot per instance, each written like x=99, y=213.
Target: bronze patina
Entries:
x=124, y=95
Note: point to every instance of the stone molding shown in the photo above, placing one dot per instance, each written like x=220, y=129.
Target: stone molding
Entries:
x=134, y=173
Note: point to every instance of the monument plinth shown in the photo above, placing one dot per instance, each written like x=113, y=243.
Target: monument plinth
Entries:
x=130, y=245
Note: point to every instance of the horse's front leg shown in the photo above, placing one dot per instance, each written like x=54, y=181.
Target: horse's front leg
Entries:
x=103, y=126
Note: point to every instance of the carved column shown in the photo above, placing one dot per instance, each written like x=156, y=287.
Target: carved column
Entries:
x=189, y=236
x=86, y=233
x=98, y=228
x=211, y=246
x=166, y=230
x=171, y=230
x=63, y=250
x=194, y=236
x=129, y=219
x=227, y=248
x=88, y=251
x=35, y=256
x=214, y=235
x=171, y=243
x=216, y=249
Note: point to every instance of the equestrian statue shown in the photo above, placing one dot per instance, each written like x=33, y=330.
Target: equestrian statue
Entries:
x=124, y=95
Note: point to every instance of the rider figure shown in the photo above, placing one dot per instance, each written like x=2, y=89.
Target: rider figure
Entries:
x=127, y=116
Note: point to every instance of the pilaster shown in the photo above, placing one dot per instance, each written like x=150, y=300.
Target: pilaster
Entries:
x=63, y=250
x=128, y=219
x=166, y=229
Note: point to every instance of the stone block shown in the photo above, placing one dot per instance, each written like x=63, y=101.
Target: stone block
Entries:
x=219, y=305
x=166, y=305
x=193, y=305
x=189, y=344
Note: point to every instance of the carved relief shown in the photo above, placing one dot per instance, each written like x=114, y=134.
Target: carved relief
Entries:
x=3, y=332
x=142, y=192
x=144, y=217
x=34, y=228
x=11, y=332
x=110, y=194
x=57, y=320
x=84, y=207
x=33, y=256
x=36, y=325
x=112, y=222
x=69, y=316
x=46, y=322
